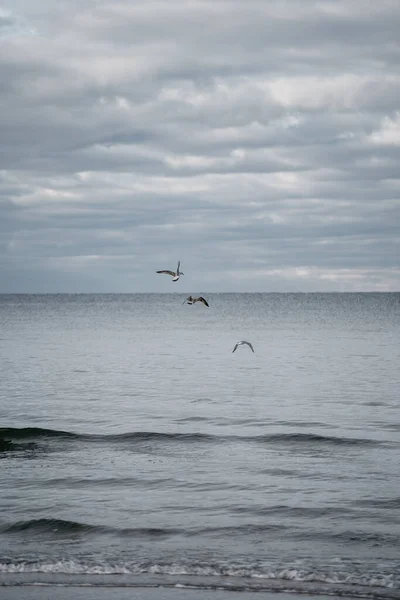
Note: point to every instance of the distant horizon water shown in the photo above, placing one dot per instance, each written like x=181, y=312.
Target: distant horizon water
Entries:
x=191, y=291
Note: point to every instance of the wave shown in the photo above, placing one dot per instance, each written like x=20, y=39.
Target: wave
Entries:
x=26, y=433
x=45, y=525
x=65, y=527
x=339, y=580
x=8, y=434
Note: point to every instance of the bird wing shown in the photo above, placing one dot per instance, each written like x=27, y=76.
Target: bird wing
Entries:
x=185, y=300
x=235, y=348
x=179, y=264
x=167, y=273
x=250, y=346
x=203, y=300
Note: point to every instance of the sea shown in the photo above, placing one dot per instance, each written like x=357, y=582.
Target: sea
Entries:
x=137, y=450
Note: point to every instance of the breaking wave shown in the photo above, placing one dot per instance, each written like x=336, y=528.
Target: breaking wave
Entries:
x=217, y=575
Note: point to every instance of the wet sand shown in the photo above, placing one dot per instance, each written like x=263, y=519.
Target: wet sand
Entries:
x=50, y=592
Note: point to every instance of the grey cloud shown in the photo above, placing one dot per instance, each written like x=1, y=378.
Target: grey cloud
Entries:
x=12, y=25
x=261, y=134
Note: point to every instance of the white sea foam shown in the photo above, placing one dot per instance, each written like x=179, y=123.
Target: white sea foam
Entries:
x=334, y=577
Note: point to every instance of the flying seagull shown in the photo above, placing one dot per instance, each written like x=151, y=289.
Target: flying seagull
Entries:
x=241, y=344
x=192, y=300
x=175, y=276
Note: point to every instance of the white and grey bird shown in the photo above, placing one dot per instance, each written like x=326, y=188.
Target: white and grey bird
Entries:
x=192, y=300
x=241, y=344
x=175, y=275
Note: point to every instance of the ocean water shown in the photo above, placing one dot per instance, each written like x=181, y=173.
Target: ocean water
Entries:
x=136, y=449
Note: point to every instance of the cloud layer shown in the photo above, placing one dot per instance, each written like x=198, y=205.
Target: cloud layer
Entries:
x=258, y=142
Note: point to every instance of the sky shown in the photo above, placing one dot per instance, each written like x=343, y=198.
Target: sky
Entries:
x=257, y=141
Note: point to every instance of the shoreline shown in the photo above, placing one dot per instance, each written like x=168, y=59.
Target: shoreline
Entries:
x=37, y=586
x=65, y=592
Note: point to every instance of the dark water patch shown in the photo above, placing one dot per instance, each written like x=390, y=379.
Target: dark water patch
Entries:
x=374, y=539
x=252, y=422
x=330, y=514
x=299, y=474
x=150, y=436
x=86, y=482
x=279, y=471
x=7, y=446
x=194, y=419
x=304, y=424
x=390, y=426
x=150, y=532
x=227, y=531
x=379, y=503
x=203, y=401
x=315, y=439
x=25, y=433
x=290, y=511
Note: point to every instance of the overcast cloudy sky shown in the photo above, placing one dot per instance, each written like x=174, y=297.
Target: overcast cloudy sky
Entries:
x=255, y=140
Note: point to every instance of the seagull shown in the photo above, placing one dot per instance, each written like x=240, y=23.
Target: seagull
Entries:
x=241, y=344
x=175, y=276
x=192, y=300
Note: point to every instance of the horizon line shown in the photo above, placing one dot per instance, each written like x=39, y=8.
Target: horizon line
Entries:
x=183, y=293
